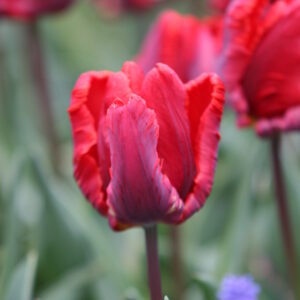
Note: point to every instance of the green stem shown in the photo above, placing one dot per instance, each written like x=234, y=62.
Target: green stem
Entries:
x=177, y=271
x=36, y=60
x=154, y=278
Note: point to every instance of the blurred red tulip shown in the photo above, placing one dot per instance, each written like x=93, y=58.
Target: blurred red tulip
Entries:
x=115, y=7
x=145, y=147
x=186, y=44
x=261, y=63
x=30, y=9
x=219, y=5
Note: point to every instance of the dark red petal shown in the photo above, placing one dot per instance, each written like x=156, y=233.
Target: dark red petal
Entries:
x=135, y=75
x=84, y=116
x=117, y=87
x=165, y=94
x=245, y=24
x=205, y=107
x=138, y=193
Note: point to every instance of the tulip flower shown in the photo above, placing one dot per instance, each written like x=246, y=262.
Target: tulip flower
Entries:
x=31, y=9
x=145, y=147
x=186, y=44
x=260, y=74
x=260, y=66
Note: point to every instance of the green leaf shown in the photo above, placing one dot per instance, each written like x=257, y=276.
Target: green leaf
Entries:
x=234, y=248
x=22, y=282
x=206, y=287
x=67, y=287
x=11, y=227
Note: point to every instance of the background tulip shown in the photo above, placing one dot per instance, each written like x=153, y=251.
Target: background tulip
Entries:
x=186, y=44
x=30, y=9
x=162, y=156
x=261, y=75
x=115, y=7
x=219, y=5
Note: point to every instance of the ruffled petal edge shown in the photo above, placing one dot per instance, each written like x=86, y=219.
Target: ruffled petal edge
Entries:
x=206, y=147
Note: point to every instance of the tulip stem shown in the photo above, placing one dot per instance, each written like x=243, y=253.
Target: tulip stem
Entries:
x=36, y=60
x=154, y=278
x=283, y=213
x=176, y=253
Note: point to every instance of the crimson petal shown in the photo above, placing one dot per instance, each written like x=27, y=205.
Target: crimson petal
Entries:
x=164, y=93
x=205, y=108
x=84, y=116
x=91, y=96
x=138, y=192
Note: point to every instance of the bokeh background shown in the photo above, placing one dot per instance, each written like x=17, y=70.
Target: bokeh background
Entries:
x=54, y=246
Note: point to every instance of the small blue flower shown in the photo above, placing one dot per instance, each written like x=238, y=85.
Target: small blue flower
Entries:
x=238, y=288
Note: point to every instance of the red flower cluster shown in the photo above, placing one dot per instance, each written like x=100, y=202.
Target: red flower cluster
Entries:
x=260, y=63
x=30, y=9
x=186, y=44
x=145, y=146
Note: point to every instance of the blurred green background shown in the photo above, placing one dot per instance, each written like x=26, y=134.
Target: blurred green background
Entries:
x=54, y=246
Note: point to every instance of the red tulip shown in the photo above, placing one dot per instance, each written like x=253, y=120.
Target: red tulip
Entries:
x=188, y=45
x=30, y=9
x=117, y=6
x=261, y=63
x=220, y=5
x=145, y=147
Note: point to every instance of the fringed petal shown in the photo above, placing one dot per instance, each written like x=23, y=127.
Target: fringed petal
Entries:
x=205, y=107
x=84, y=114
x=138, y=193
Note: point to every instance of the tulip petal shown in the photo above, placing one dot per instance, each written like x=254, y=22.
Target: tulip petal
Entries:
x=205, y=108
x=165, y=94
x=117, y=86
x=135, y=75
x=83, y=116
x=288, y=122
x=91, y=96
x=138, y=192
